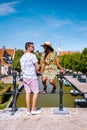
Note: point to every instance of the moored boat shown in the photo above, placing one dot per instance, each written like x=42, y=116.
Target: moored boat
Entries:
x=74, y=92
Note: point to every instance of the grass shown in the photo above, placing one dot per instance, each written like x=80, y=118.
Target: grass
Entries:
x=4, y=105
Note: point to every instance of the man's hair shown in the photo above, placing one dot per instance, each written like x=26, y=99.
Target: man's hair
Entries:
x=27, y=44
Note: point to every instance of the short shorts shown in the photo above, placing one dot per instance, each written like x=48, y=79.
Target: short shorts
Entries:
x=31, y=85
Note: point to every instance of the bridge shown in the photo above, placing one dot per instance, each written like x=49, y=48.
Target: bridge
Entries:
x=47, y=120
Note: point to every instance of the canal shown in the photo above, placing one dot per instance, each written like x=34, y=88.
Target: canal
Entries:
x=50, y=100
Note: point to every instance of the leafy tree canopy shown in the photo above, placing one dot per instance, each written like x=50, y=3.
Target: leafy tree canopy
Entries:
x=16, y=62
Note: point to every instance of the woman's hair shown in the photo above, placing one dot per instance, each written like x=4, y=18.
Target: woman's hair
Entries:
x=48, y=49
x=28, y=44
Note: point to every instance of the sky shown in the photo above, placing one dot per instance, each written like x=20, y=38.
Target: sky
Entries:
x=61, y=22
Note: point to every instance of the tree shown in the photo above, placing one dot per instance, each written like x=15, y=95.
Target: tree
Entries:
x=38, y=55
x=76, y=62
x=76, y=58
x=83, y=62
x=16, y=62
x=66, y=61
x=84, y=52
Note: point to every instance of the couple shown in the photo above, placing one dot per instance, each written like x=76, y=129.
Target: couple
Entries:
x=30, y=68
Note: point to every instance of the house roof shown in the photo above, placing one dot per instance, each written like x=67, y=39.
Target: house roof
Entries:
x=68, y=52
x=8, y=52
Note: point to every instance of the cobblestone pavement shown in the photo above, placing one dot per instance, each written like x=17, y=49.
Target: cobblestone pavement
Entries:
x=76, y=119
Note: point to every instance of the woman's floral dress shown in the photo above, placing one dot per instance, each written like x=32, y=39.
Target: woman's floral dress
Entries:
x=51, y=69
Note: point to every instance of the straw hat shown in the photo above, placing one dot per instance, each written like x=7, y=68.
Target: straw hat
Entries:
x=47, y=44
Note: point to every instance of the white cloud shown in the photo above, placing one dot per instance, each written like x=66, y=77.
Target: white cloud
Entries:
x=55, y=22
x=50, y=19
x=7, y=8
x=80, y=28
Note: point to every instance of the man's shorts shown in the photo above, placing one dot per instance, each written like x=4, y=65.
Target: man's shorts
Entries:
x=31, y=85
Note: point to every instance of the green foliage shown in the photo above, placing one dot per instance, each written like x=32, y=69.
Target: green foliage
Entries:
x=84, y=52
x=5, y=88
x=76, y=62
x=66, y=61
x=16, y=62
x=83, y=62
x=38, y=57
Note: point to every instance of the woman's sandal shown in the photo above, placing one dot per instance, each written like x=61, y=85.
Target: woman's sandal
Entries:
x=53, y=90
x=44, y=91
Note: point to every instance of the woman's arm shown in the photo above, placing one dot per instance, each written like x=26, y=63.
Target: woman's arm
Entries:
x=58, y=64
x=42, y=67
x=60, y=67
x=42, y=62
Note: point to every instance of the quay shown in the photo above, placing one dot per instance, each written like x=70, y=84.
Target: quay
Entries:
x=81, y=86
x=46, y=120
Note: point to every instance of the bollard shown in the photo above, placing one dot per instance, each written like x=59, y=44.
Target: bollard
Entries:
x=61, y=109
x=14, y=108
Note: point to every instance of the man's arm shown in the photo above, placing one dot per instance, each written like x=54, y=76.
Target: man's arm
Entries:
x=42, y=68
x=37, y=67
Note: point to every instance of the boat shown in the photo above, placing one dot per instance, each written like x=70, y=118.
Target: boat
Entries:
x=74, y=92
x=81, y=103
x=66, y=83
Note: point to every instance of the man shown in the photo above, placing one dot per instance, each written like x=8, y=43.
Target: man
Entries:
x=30, y=67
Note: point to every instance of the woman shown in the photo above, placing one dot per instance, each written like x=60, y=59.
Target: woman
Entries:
x=50, y=64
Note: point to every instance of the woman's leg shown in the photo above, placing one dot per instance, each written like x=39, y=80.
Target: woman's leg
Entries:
x=52, y=82
x=44, y=83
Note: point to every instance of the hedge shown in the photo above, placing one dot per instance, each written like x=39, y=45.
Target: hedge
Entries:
x=4, y=98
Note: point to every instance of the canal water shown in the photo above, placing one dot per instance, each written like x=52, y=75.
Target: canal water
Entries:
x=50, y=100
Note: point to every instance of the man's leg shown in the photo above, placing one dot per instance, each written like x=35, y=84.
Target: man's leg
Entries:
x=35, y=90
x=34, y=101
x=28, y=101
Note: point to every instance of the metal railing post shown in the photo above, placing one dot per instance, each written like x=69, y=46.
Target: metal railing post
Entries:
x=14, y=108
x=61, y=109
x=86, y=77
x=61, y=94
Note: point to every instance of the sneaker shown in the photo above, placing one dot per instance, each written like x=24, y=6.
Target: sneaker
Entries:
x=28, y=113
x=35, y=112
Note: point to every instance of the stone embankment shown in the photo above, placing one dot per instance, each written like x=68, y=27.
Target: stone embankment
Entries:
x=76, y=119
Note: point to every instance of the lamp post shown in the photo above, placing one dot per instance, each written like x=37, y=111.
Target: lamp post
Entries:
x=14, y=108
x=61, y=109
